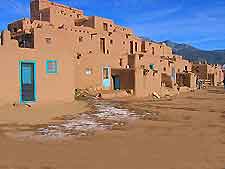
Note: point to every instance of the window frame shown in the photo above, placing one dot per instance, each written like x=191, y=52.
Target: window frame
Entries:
x=47, y=67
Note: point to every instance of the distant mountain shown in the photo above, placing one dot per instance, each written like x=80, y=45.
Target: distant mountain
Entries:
x=194, y=54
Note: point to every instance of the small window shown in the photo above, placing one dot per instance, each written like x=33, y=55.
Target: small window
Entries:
x=136, y=47
x=121, y=62
x=14, y=29
x=102, y=45
x=153, y=51
x=111, y=41
x=48, y=40
x=105, y=26
x=51, y=67
x=88, y=71
x=164, y=69
x=80, y=39
x=140, y=57
x=186, y=68
x=105, y=73
x=78, y=56
x=152, y=66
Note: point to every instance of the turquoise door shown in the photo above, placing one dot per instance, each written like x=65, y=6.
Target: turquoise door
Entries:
x=27, y=81
x=106, y=77
x=116, y=83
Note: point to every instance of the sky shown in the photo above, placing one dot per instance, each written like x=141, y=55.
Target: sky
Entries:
x=200, y=23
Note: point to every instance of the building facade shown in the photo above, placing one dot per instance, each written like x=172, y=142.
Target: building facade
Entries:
x=59, y=49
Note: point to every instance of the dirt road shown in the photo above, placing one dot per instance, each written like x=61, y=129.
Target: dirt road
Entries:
x=189, y=134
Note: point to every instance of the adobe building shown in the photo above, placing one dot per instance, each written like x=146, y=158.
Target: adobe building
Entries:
x=60, y=49
x=184, y=75
x=212, y=73
x=176, y=71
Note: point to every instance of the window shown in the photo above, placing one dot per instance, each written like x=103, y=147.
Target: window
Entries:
x=48, y=40
x=14, y=29
x=52, y=66
x=78, y=56
x=102, y=45
x=153, y=51
x=105, y=26
x=164, y=69
x=186, y=68
x=131, y=47
x=140, y=57
x=152, y=66
x=136, y=47
x=88, y=71
x=121, y=62
x=80, y=39
x=105, y=73
x=111, y=41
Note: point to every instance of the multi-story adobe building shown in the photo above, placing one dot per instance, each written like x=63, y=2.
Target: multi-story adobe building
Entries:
x=212, y=73
x=184, y=74
x=59, y=49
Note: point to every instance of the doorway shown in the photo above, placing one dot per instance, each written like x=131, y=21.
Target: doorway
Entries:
x=116, y=82
x=27, y=81
x=106, y=77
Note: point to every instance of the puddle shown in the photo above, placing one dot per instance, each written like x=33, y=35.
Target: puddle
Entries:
x=105, y=117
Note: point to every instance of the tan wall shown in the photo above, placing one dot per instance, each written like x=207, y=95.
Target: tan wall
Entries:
x=146, y=84
x=200, y=70
x=186, y=79
x=182, y=64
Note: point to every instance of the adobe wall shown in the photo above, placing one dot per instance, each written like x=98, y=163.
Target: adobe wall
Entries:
x=54, y=13
x=186, y=79
x=200, y=70
x=147, y=81
x=217, y=71
x=182, y=65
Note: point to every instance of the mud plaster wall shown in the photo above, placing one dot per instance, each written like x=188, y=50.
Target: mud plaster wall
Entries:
x=186, y=79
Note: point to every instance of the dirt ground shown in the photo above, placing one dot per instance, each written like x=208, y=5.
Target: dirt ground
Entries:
x=38, y=113
x=189, y=134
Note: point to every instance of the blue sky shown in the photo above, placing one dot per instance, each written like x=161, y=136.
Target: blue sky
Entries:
x=197, y=22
